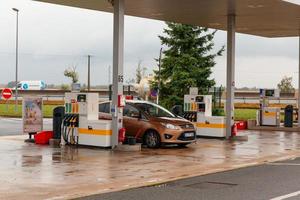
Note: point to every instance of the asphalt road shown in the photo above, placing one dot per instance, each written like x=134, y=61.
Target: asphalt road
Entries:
x=276, y=181
x=13, y=126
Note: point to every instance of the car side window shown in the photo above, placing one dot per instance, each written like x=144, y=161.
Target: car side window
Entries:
x=104, y=108
x=107, y=108
x=130, y=111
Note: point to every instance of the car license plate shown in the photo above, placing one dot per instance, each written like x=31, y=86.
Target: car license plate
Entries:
x=191, y=134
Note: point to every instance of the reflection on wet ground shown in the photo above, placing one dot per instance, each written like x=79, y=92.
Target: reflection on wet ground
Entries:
x=42, y=172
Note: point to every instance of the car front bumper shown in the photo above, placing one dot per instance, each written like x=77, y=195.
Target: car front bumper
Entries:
x=181, y=137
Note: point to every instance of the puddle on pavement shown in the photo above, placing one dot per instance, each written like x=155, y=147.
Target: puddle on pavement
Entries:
x=56, y=158
x=72, y=172
x=31, y=161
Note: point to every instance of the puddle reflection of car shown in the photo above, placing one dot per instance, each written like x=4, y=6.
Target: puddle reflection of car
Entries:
x=152, y=124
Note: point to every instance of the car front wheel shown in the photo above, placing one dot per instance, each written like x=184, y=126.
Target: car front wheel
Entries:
x=152, y=139
x=182, y=145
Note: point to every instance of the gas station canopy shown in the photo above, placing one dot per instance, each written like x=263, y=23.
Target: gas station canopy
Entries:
x=268, y=18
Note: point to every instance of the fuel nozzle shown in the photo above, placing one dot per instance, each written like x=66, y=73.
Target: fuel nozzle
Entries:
x=76, y=121
x=65, y=120
x=68, y=120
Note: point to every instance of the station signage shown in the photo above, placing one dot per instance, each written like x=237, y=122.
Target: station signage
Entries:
x=6, y=93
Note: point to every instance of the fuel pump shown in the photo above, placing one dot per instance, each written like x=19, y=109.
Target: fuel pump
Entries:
x=81, y=125
x=198, y=109
x=268, y=116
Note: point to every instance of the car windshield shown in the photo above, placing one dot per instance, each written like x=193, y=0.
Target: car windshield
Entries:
x=154, y=110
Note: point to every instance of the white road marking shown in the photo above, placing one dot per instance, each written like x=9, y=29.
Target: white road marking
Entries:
x=284, y=164
x=46, y=120
x=10, y=121
x=287, y=196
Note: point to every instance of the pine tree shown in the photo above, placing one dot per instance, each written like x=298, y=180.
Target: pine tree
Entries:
x=187, y=62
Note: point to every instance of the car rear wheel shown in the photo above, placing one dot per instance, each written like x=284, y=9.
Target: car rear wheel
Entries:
x=152, y=139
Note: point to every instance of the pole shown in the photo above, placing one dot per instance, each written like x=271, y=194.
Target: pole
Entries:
x=230, y=83
x=110, y=92
x=6, y=102
x=118, y=79
x=89, y=72
x=159, y=67
x=220, y=96
x=215, y=97
x=299, y=85
x=17, y=58
x=109, y=75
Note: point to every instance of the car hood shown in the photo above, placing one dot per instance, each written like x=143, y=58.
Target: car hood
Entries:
x=175, y=121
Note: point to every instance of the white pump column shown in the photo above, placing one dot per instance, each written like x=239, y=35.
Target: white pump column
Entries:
x=230, y=83
x=118, y=59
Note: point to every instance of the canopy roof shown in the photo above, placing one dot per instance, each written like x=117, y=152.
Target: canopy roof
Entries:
x=268, y=18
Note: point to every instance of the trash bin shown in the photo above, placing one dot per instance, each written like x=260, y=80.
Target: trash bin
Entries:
x=131, y=140
x=288, y=116
x=58, y=116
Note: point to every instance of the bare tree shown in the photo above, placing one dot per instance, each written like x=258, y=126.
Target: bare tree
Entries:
x=285, y=84
x=139, y=72
x=64, y=87
x=144, y=72
x=130, y=81
x=72, y=73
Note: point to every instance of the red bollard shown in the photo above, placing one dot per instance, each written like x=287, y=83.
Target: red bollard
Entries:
x=241, y=125
x=234, y=130
x=121, y=137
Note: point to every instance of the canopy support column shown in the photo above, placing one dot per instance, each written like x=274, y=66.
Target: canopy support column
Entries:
x=230, y=83
x=118, y=59
x=299, y=86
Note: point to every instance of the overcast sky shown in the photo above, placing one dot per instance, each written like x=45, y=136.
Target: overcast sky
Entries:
x=54, y=37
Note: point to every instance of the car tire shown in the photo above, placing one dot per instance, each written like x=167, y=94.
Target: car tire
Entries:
x=183, y=145
x=152, y=139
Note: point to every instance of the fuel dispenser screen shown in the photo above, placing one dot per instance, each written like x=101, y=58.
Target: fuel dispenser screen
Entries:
x=200, y=99
x=201, y=107
x=81, y=98
x=269, y=93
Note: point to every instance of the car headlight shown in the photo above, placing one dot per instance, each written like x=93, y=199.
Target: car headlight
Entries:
x=170, y=126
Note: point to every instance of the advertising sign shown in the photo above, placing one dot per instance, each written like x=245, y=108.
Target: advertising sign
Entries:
x=193, y=91
x=32, y=114
x=75, y=87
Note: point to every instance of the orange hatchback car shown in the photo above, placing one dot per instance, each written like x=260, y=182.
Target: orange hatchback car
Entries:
x=152, y=124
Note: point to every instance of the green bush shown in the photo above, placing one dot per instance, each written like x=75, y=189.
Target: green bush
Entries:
x=218, y=112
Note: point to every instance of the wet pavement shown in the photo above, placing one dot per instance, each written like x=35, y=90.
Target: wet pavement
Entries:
x=14, y=126
x=29, y=171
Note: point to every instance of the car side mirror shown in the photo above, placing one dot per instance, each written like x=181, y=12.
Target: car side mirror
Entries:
x=177, y=110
